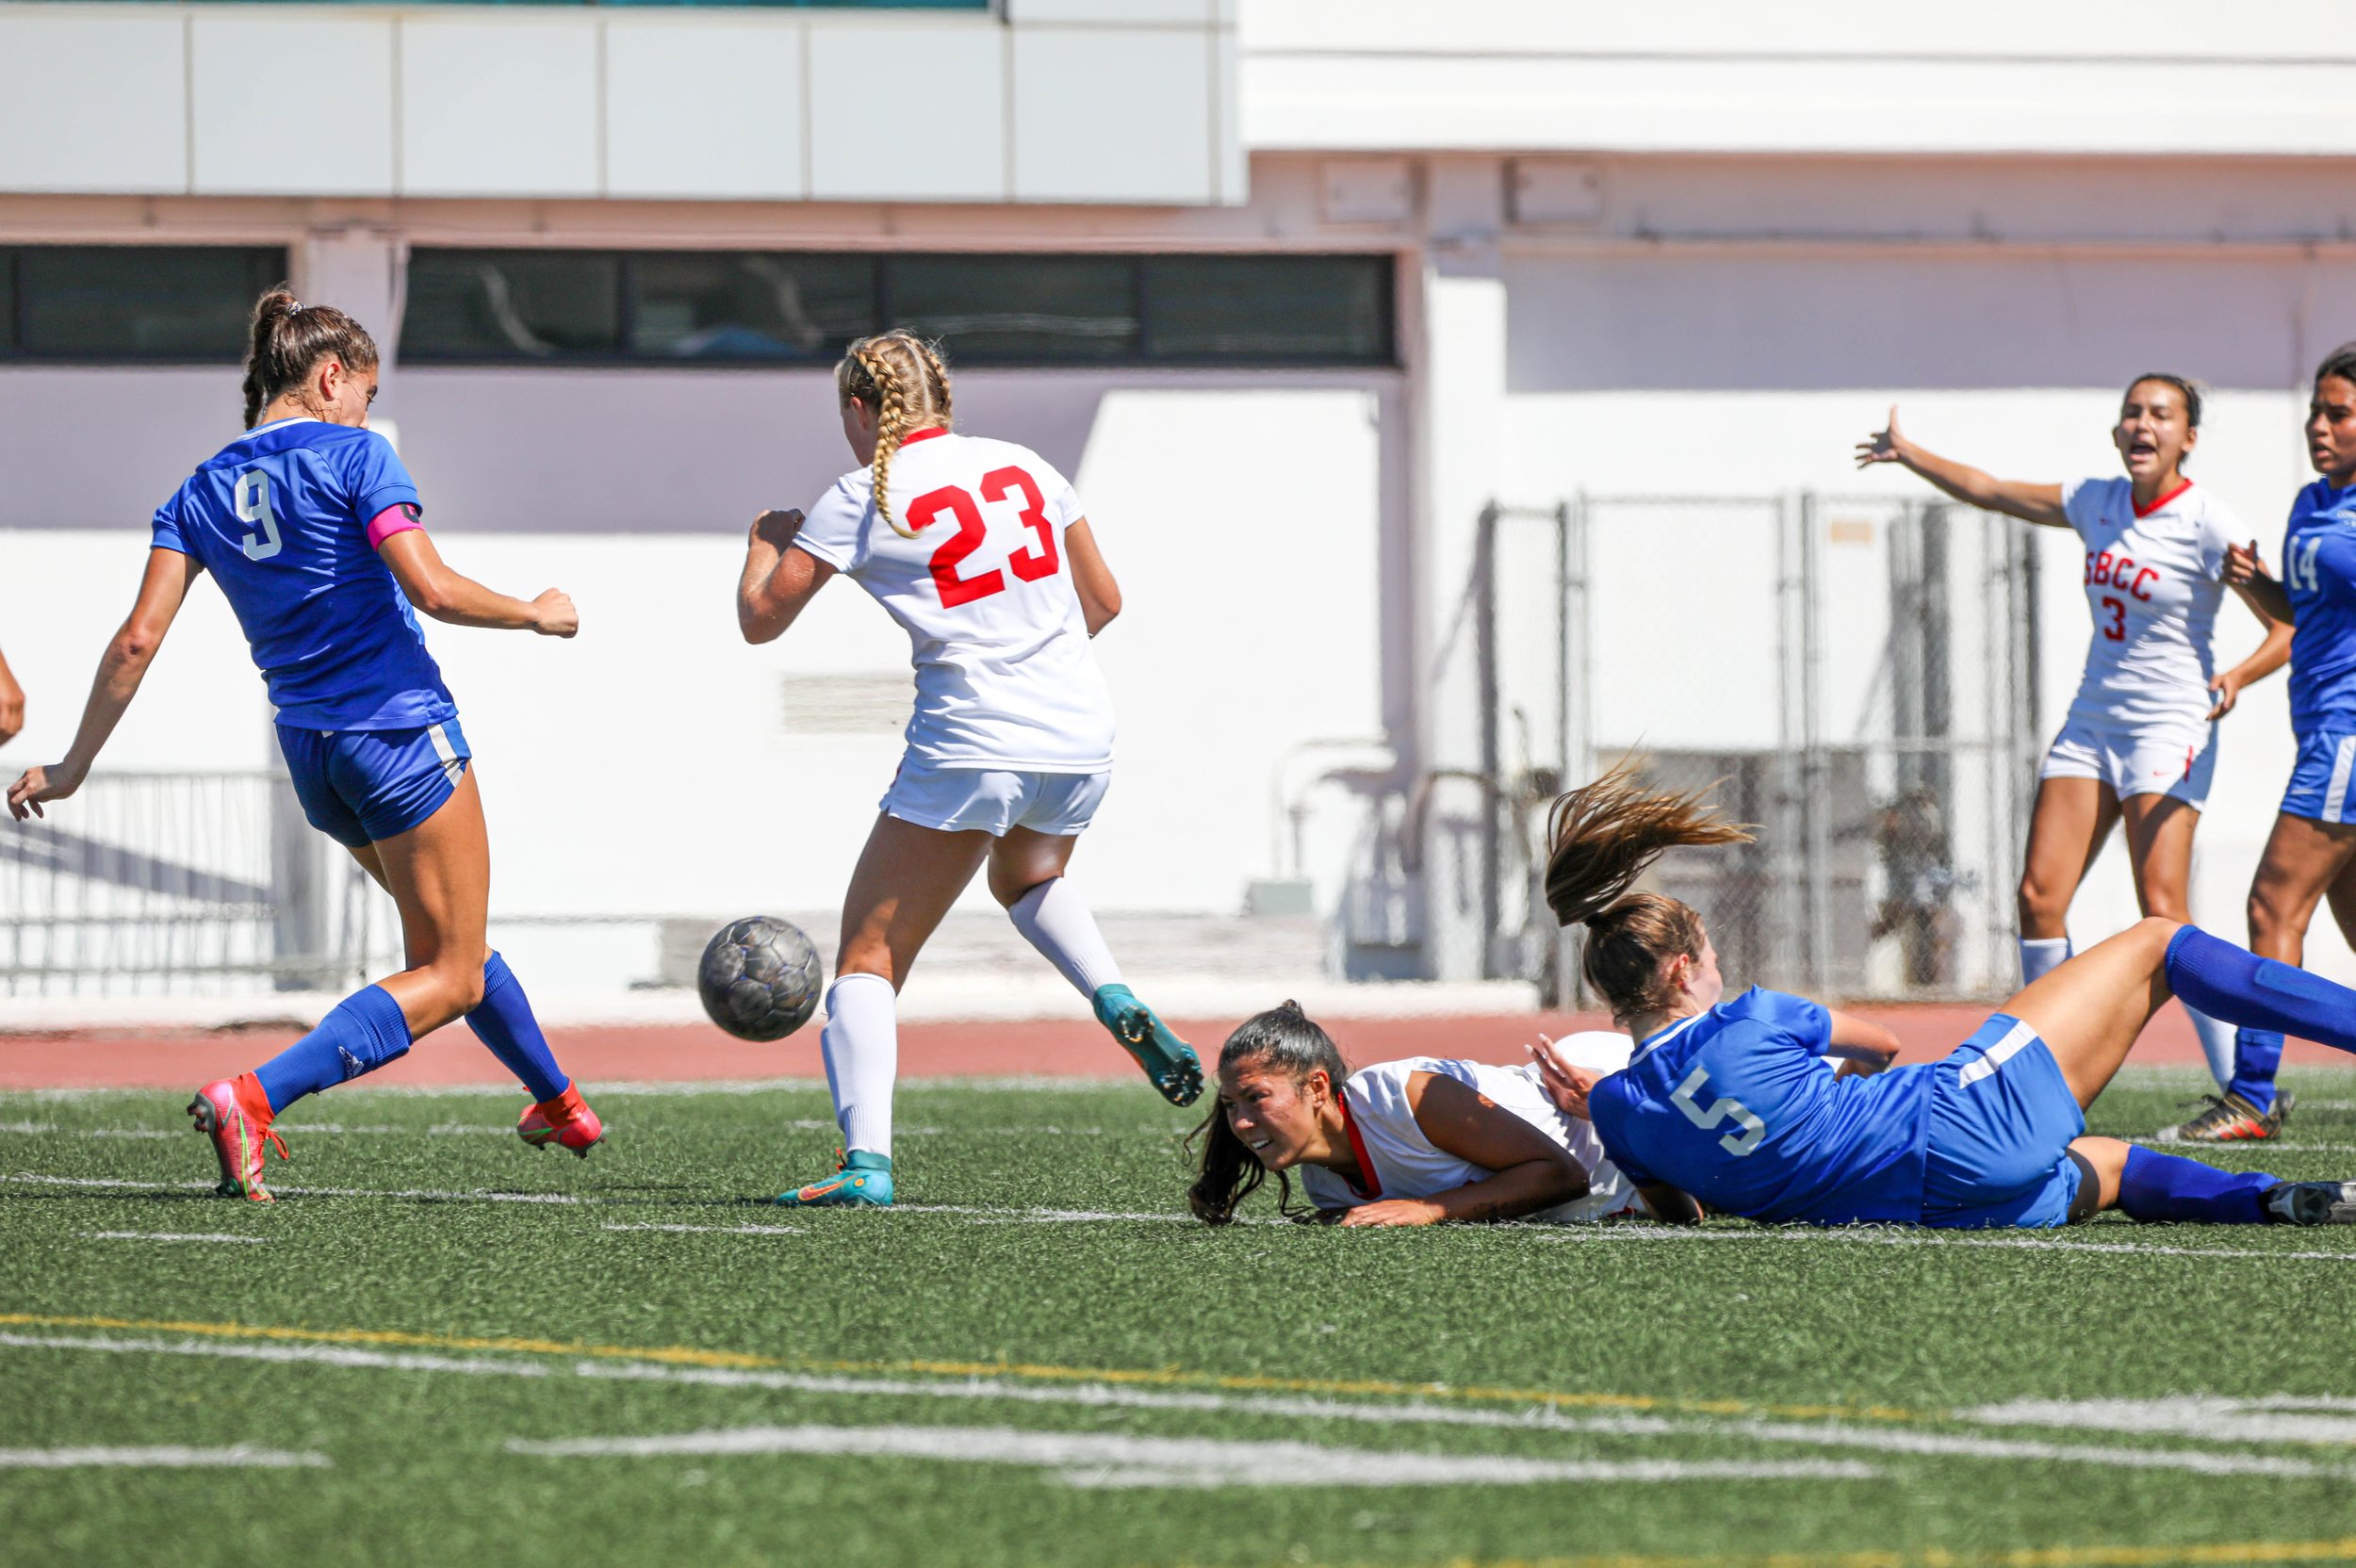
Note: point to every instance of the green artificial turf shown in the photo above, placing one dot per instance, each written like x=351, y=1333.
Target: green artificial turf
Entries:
x=419, y=1327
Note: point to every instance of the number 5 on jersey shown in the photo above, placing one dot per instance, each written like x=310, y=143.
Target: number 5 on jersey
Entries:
x=1717, y=1112
x=1031, y=562
x=253, y=500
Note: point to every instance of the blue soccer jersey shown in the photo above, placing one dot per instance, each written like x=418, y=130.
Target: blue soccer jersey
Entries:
x=2319, y=573
x=1739, y=1107
x=281, y=518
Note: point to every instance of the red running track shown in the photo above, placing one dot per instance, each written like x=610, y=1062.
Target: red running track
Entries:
x=1074, y=1047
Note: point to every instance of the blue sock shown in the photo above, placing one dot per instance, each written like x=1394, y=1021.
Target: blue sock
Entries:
x=2168, y=1186
x=502, y=1021
x=365, y=1031
x=2256, y=1055
x=2259, y=994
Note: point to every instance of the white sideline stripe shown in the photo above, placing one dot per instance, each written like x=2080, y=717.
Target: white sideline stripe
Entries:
x=717, y=1230
x=806, y=1124
x=170, y=1235
x=1996, y=1056
x=2335, y=796
x=1877, y=1236
x=1106, y=1460
x=1111, y=1397
x=2278, y=1419
x=238, y=1458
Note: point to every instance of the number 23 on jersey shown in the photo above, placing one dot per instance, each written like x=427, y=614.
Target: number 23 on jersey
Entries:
x=954, y=505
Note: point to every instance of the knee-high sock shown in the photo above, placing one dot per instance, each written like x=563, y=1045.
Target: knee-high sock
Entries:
x=2217, y=1044
x=2257, y=1055
x=2041, y=956
x=2168, y=1186
x=364, y=1031
x=1056, y=920
x=861, y=1047
x=502, y=1021
x=2237, y=985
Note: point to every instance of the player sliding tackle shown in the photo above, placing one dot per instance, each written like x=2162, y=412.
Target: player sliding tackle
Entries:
x=979, y=549
x=1727, y=1103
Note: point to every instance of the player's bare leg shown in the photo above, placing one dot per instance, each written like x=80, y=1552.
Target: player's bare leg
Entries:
x=906, y=879
x=1026, y=876
x=2071, y=820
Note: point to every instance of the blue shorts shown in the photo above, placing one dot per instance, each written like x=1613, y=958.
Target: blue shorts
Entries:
x=2319, y=781
x=364, y=786
x=2002, y=1120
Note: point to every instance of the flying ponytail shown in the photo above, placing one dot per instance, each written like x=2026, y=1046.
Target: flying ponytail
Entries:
x=1604, y=835
x=286, y=339
x=901, y=378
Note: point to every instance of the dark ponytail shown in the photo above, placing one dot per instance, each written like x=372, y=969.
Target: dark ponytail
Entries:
x=289, y=339
x=1605, y=835
x=1282, y=1038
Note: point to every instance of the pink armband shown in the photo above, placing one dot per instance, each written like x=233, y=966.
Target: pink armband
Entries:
x=393, y=519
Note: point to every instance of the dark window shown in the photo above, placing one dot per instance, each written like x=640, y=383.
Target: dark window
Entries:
x=802, y=308
x=695, y=306
x=513, y=304
x=116, y=302
x=1018, y=309
x=1317, y=310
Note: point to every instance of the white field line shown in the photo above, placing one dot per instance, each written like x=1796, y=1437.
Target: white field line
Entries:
x=170, y=1235
x=716, y=1230
x=238, y=1458
x=2278, y=1419
x=1111, y=1397
x=1107, y=1459
x=805, y=1124
x=1892, y=1236
x=669, y=1088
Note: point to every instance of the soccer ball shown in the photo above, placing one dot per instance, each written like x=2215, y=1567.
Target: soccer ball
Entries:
x=759, y=978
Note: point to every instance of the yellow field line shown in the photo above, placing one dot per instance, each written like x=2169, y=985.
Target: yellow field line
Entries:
x=2342, y=1550
x=1167, y=1377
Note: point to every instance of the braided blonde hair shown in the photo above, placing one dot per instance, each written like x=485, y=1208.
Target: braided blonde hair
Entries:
x=901, y=378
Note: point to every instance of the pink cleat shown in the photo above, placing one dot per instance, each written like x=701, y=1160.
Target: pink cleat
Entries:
x=565, y=1121
x=236, y=1114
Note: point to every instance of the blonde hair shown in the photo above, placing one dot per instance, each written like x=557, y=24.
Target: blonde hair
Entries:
x=901, y=378
x=1604, y=835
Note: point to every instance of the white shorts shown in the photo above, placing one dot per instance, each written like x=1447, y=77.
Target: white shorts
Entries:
x=2149, y=759
x=997, y=801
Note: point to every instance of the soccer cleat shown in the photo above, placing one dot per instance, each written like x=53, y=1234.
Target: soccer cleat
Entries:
x=2229, y=1118
x=862, y=1180
x=1170, y=1063
x=566, y=1121
x=2312, y=1203
x=234, y=1113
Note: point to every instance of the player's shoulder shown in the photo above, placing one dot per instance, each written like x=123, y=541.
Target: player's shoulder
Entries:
x=2098, y=497
x=1759, y=1010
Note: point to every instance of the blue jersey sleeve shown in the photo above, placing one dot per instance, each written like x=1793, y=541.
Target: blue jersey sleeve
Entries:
x=374, y=477
x=1807, y=1023
x=166, y=534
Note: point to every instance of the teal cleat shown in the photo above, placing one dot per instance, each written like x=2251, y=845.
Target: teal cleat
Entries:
x=862, y=1180
x=1170, y=1063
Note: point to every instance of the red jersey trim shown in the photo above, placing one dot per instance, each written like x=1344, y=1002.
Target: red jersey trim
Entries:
x=912, y=437
x=2141, y=511
x=1358, y=1148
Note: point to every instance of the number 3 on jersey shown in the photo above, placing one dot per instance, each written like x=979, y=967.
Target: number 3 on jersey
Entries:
x=1031, y=562
x=1718, y=1111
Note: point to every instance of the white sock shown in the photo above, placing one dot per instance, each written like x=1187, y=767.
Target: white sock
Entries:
x=2217, y=1043
x=2041, y=956
x=1056, y=920
x=861, y=1047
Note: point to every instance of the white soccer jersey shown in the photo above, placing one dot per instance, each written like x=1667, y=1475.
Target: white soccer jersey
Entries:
x=1004, y=675
x=2153, y=580
x=1400, y=1162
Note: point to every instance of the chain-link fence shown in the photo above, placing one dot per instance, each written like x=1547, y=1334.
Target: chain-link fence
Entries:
x=1854, y=675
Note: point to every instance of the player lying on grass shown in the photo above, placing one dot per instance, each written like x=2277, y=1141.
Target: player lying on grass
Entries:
x=1729, y=1103
x=309, y=523
x=979, y=549
x=1411, y=1142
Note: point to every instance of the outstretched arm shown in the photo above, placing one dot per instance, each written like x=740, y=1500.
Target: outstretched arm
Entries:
x=778, y=580
x=2031, y=503
x=1100, y=596
x=1532, y=1170
x=435, y=590
x=2267, y=658
x=162, y=590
